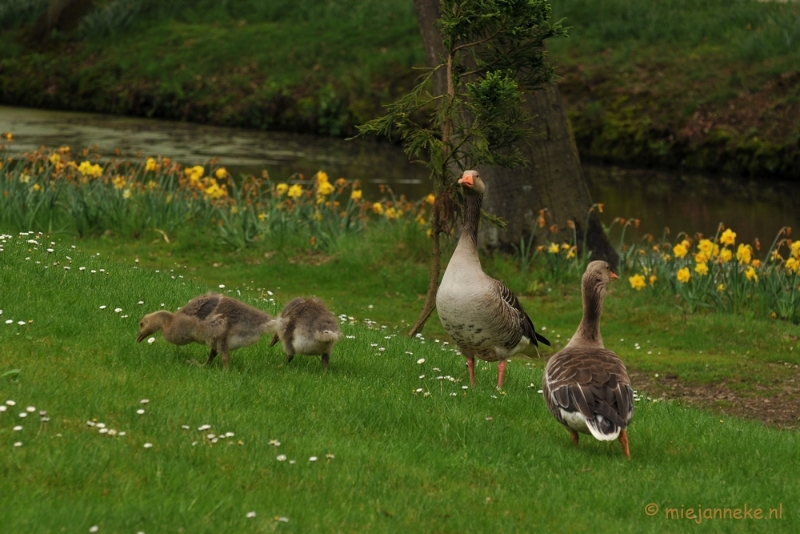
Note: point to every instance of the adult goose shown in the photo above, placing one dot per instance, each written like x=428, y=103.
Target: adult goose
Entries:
x=586, y=386
x=481, y=314
x=306, y=326
x=220, y=322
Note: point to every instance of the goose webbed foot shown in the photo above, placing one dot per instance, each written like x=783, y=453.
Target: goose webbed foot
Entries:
x=471, y=367
x=575, y=437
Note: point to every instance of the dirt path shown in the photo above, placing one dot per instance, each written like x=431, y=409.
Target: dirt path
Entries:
x=777, y=407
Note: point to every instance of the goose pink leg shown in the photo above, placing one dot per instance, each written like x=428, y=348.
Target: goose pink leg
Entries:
x=471, y=366
x=501, y=373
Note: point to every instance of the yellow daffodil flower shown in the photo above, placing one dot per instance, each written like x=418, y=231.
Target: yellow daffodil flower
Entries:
x=793, y=264
x=679, y=250
x=393, y=213
x=637, y=282
x=750, y=273
x=36, y=187
x=430, y=199
x=295, y=191
x=728, y=237
x=725, y=255
x=795, y=248
x=701, y=269
x=119, y=182
x=262, y=217
x=150, y=165
x=127, y=194
x=281, y=188
x=24, y=178
x=356, y=194
x=377, y=208
x=653, y=279
x=325, y=188
x=701, y=257
x=322, y=177
x=743, y=254
x=55, y=158
x=684, y=275
x=553, y=248
x=721, y=288
x=221, y=173
x=706, y=246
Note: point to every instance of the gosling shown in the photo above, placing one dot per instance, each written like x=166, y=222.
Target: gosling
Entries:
x=306, y=326
x=220, y=322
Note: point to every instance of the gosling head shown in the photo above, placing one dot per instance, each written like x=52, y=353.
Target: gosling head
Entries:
x=151, y=323
x=471, y=181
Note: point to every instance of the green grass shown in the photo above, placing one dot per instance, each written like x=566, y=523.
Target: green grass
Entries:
x=402, y=461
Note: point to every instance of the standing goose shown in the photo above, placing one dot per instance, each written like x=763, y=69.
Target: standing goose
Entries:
x=220, y=322
x=481, y=314
x=586, y=386
x=306, y=326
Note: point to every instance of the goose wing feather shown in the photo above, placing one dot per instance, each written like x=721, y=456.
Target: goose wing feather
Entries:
x=513, y=309
x=599, y=389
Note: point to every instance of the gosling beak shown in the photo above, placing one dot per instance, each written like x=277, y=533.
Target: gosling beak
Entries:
x=614, y=275
x=140, y=337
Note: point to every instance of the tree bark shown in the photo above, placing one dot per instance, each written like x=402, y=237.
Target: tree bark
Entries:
x=554, y=179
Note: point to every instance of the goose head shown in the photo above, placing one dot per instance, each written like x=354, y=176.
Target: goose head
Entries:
x=471, y=181
x=151, y=323
x=597, y=276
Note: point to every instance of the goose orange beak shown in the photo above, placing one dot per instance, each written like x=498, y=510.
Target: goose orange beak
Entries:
x=466, y=180
x=614, y=275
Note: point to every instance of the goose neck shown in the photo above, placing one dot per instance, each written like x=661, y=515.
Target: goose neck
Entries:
x=589, y=329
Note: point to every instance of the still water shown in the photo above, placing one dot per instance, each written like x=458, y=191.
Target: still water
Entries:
x=681, y=202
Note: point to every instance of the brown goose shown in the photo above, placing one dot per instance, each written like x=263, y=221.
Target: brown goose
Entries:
x=306, y=326
x=481, y=314
x=586, y=386
x=220, y=322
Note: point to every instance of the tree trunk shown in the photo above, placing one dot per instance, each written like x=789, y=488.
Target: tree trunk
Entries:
x=554, y=179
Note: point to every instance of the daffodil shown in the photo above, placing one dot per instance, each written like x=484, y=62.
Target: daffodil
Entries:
x=262, y=216
x=341, y=182
x=637, y=282
x=221, y=173
x=150, y=165
x=684, y=275
x=553, y=248
x=706, y=246
x=679, y=250
x=750, y=273
x=325, y=188
x=55, y=158
x=430, y=199
x=356, y=194
x=295, y=191
x=701, y=257
x=728, y=237
x=793, y=264
x=24, y=178
x=119, y=182
x=721, y=288
x=36, y=187
x=377, y=208
x=725, y=255
x=87, y=168
x=127, y=194
x=701, y=269
x=653, y=279
x=322, y=177
x=281, y=188
x=795, y=248
x=393, y=213
x=743, y=254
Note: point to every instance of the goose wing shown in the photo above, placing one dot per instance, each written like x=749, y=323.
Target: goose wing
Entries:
x=513, y=309
x=593, y=383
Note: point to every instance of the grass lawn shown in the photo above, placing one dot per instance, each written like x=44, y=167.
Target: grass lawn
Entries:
x=396, y=447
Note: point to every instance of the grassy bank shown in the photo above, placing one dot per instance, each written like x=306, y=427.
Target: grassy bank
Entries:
x=707, y=86
x=396, y=447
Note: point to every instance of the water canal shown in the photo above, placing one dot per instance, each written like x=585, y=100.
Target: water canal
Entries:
x=682, y=202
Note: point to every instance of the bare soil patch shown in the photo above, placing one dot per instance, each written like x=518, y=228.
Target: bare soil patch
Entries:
x=777, y=406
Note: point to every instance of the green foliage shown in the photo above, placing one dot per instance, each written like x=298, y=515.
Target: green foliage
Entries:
x=17, y=13
x=494, y=53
